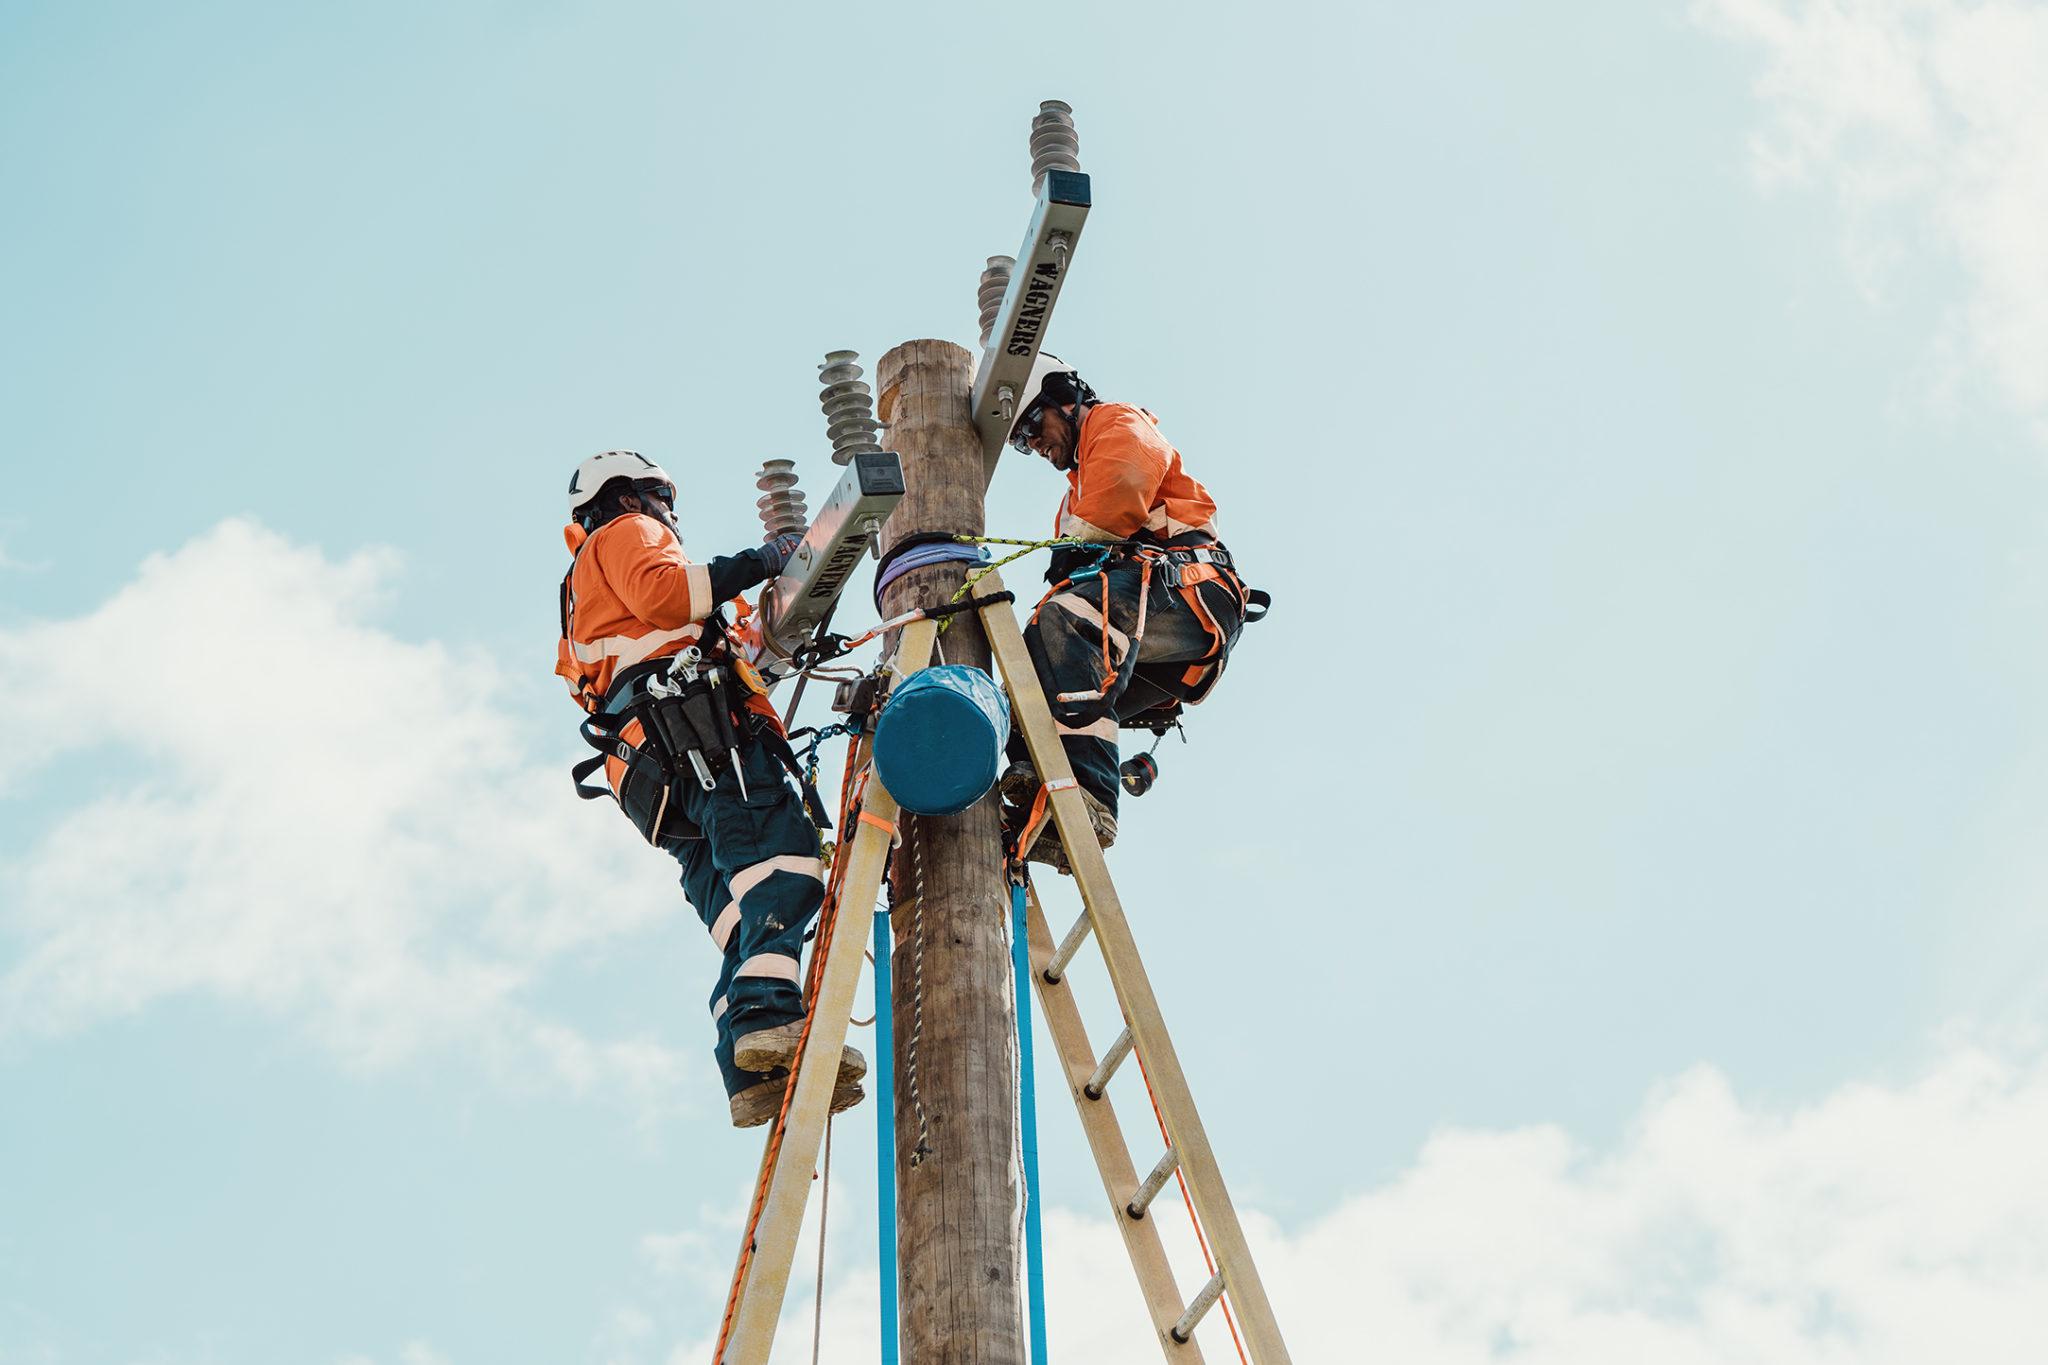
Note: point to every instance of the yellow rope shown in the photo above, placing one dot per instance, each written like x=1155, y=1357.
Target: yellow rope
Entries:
x=967, y=586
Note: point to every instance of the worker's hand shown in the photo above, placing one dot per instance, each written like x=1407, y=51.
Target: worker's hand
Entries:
x=776, y=552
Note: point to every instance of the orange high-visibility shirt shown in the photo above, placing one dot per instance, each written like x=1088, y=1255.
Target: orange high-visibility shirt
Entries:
x=1127, y=479
x=631, y=595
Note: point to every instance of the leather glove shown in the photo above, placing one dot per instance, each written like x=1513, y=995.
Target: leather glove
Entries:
x=775, y=554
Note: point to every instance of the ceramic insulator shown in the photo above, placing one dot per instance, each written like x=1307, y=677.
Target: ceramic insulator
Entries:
x=995, y=282
x=1055, y=146
x=849, y=406
x=781, y=504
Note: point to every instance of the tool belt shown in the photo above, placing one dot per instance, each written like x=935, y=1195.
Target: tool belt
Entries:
x=663, y=731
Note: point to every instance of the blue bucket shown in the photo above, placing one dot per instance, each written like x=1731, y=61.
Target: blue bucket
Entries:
x=939, y=739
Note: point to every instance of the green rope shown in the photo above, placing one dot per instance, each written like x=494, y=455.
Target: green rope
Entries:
x=967, y=586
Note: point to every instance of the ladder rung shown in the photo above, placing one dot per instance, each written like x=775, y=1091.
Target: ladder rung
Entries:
x=1154, y=1183
x=1069, y=945
x=1100, y=1080
x=1204, y=1301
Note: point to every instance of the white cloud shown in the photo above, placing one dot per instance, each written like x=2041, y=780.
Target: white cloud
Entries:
x=302, y=814
x=1929, y=119
x=1884, y=1225
x=412, y=1353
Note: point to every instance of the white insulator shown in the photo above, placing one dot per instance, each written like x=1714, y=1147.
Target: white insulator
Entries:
x=1055, y=146
x=781, y=504
x=995, y=282
x=849, y=406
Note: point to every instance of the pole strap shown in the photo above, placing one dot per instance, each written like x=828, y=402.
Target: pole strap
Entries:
x=885, y=1134
x=1027, y=1122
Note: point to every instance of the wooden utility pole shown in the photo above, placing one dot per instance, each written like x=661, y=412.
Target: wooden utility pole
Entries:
x=959, y=1239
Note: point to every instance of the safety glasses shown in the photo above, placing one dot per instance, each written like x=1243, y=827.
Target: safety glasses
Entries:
x=1027, y=428
x=657, y=489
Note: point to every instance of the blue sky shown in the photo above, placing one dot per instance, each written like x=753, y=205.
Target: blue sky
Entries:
x=1622, y=837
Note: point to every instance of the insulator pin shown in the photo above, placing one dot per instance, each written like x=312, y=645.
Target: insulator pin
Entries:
x=995, y=282
x=1055, y=146
x=781, y=504
x=849, y=406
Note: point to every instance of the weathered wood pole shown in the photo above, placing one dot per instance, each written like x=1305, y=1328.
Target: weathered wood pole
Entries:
x=959, y=1238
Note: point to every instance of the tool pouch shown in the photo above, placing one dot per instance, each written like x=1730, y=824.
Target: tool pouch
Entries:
x=644, y=743
x=696, y=719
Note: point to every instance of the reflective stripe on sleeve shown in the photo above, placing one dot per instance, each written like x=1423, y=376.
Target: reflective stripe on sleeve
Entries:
x=1164, y=526
x=1082, y=529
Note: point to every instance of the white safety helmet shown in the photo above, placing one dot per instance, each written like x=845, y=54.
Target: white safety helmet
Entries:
x=1044, y=364
x=599, y=470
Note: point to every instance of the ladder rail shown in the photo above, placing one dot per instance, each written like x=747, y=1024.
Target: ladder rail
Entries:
x=1140, y=1006
x=1062, y=1015
x=766, y=1278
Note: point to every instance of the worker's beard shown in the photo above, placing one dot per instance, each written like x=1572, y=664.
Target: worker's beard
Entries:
x=653, y=508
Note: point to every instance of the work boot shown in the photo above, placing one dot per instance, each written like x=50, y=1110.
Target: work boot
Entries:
x=758, y=1104
x=1019, y=784
x=1048, y=849
x=769, y=1048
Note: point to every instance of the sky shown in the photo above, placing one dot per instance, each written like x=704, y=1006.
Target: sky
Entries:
x=1599, y=913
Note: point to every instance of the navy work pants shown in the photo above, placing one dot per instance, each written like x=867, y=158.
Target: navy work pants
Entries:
x=756, y=881
x=1067, y=638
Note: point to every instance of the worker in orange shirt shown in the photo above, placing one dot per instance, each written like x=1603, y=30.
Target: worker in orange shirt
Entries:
x=1142, y=616
x=694, y=756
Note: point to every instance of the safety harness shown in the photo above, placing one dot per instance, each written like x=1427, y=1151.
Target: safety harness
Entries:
x=1154, y=696
x=679, y=718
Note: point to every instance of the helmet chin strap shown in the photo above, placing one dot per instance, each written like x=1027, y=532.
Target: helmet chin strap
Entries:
x=1074, y=430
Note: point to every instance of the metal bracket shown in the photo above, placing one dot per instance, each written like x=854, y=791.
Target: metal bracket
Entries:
x=851, y=518
x=1041, y=271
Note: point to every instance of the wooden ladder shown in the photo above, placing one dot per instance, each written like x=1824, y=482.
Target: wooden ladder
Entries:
x=776, y=1216
x=1188, y=1150
x=762, y=1278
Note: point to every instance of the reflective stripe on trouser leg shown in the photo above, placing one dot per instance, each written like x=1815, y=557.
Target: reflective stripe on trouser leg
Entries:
x=712, y=899
x=1092, y=753
x=765, y=850
x=735, y=1079
x=780, y=897
x=1066, y=642
x=1069, y=637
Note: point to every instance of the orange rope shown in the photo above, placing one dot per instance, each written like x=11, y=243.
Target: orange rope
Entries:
x=1188, y=1201
x=828, y=918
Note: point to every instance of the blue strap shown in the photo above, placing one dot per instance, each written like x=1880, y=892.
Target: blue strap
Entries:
x=1027, y=1122
x=885, y=1136
x=923, y=556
